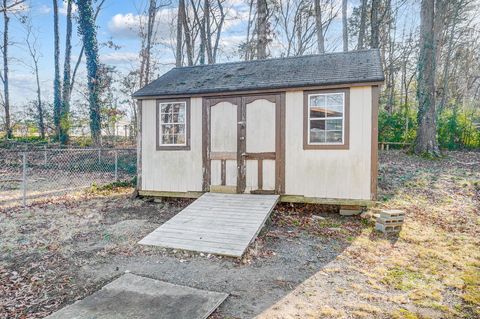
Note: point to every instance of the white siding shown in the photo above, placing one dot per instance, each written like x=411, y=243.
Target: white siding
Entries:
x=341, y=174
x=171, y=171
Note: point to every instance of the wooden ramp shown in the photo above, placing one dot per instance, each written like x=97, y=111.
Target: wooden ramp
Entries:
x=223, y=224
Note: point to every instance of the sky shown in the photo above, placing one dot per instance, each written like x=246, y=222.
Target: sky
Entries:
x=118, y=22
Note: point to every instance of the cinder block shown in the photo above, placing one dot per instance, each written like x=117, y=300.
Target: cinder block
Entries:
x=350, y=212
x=392, y=213
x=390, y=221
x=388, y=228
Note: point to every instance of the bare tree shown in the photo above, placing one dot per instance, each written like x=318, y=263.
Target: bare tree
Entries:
x=426, y=141
x=363, y=22
x=375, y=24
x=296, y=25
x=319, y=27
x=34, y=52
x=218, y=15
x=6, y=8
x=179, y=42
x=66, y=92
x=262, y=30
x=152, y=13
x=345, y=25
x=188, y=37
x=57, y=85
x=88, y=32
x=82, y=50
x=247, y=48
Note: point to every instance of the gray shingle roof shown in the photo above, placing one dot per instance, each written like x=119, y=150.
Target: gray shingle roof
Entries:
x=310, y=70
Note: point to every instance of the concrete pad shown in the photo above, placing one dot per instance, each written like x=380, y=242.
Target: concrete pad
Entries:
x=132, y=296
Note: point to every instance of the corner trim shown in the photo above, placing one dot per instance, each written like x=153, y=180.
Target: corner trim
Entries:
x=374, y=145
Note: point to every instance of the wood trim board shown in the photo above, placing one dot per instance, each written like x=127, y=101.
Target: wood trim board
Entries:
x=265, y=91
x=139, y=145
x=374, y=145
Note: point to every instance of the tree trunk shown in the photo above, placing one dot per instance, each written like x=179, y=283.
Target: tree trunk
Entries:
x=6, y=91
x=203, y=38
x=188, y=38
x=319, y=27
x=208, y=33
x=344, y=25
x=262, y=29
x=446, y=64
x=32, y=50
x=65, y=111
x=41, y=121
x=363, y=22
x=89, y=35
x=57, y=85
x=219, y=31
x=180, y=18
x=152, y=12
x=375, y=25
x=426, y=141
x=80, y=55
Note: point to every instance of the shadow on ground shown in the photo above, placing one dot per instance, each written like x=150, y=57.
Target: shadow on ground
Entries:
x=285, y=255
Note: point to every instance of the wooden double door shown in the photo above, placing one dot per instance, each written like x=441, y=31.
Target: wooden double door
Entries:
x=243, y=145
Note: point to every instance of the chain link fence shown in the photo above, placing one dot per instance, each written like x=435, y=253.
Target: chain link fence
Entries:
x=27, y=175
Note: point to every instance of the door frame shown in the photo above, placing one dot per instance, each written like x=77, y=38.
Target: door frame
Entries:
x=241, y=102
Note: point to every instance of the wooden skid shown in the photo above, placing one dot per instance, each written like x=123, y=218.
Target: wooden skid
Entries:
x=223, y=224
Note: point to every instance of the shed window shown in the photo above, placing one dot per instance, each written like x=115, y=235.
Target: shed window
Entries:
x=173, y=125
x=326, y=119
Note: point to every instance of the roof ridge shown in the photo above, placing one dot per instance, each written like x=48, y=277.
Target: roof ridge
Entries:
x=275, y=59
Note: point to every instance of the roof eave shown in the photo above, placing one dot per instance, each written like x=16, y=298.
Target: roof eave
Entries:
x=373, y=82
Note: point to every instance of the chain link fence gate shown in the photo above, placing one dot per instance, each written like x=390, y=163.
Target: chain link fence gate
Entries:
x=26, y=175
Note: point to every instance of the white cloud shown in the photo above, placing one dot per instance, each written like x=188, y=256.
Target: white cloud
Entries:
x=128, y=26
x=63, y=8
x=44, y=9
x=119, y=57
x=125, y=25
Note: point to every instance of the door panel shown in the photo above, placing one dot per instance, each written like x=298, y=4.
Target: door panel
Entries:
x=260, y=141
x=260, y=126
x=223, y=127
x=269, y=174
x=243, y=149
x=223, y=147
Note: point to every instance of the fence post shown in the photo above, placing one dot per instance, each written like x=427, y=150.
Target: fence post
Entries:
x=45, y=155
x=99, y=156
x=24, y=178
x=116, y=166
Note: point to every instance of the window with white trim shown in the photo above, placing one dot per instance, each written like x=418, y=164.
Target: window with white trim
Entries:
x=173, y=124
x=326, y=118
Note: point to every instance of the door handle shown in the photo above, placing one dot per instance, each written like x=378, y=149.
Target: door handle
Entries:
x=242, y=123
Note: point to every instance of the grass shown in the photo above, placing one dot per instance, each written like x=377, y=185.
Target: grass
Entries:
x=435, y=259
x=431, y=269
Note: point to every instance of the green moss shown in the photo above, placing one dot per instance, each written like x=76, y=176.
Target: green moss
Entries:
x=403, y=279
x=404, y=314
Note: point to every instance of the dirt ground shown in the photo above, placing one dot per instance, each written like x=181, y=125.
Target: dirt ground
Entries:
x=308, y=262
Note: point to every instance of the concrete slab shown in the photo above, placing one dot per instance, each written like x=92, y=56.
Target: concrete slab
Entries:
x=132, y=296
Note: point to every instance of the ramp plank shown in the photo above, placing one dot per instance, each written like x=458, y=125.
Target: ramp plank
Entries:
x=223, y=224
